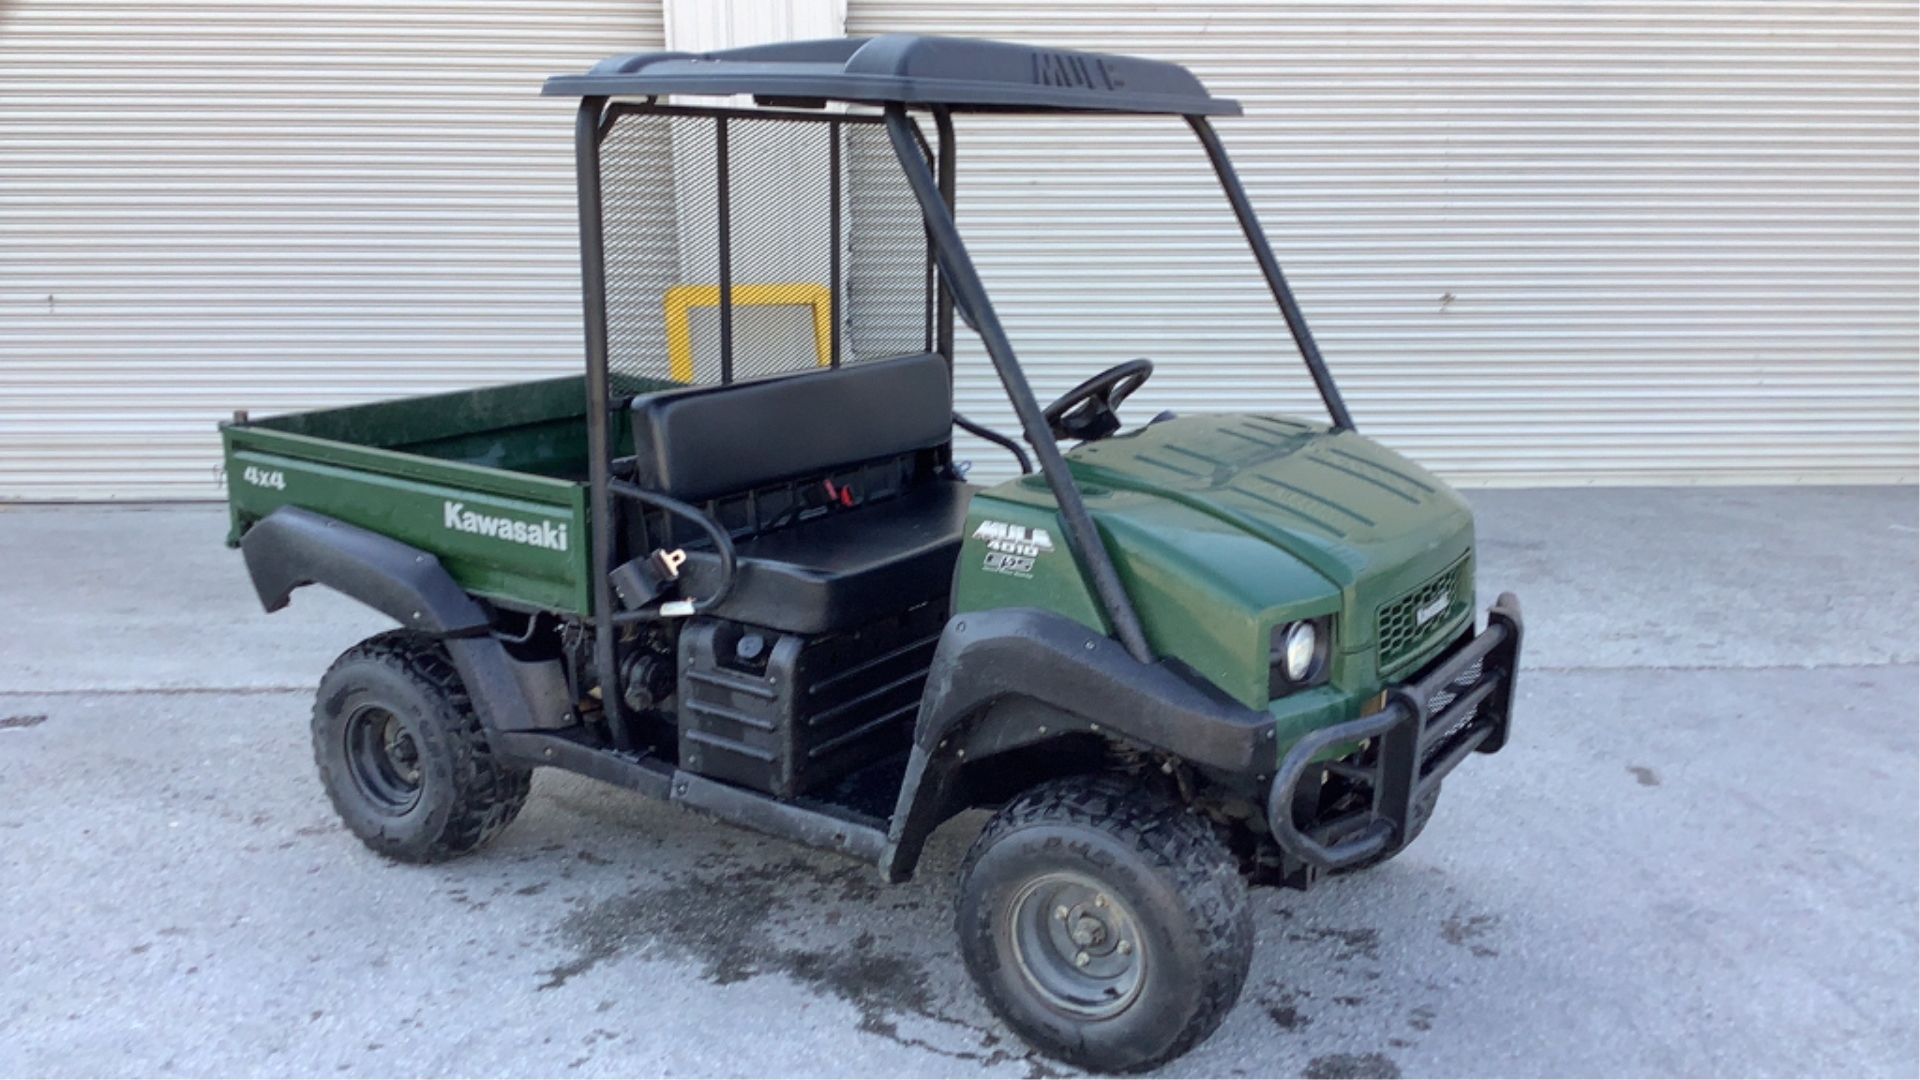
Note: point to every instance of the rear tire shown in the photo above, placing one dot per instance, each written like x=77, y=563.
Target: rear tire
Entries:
x=1107, y=926
x=404, y=757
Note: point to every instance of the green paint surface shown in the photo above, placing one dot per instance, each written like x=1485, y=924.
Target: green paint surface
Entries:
x=491, y=481
x=1223, y=527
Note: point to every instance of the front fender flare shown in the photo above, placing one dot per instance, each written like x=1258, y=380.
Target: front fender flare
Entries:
x=1019, y=676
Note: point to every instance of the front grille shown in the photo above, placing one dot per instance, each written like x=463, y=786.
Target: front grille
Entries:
x=1403, y=633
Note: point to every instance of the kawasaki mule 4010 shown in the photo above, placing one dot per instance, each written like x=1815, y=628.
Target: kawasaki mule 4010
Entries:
x=736, y=566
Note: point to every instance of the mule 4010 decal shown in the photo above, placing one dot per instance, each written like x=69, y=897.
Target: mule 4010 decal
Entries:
x=1011, y=549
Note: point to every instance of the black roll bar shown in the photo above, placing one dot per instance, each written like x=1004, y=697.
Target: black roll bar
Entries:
x=835, y=300
x=1269, y=266
x=943, y=324
x=723, y=221
x=958, y=286
x=593, y=291
x=970, y=294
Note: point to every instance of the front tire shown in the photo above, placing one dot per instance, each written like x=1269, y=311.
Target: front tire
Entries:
x=1107, y=926
x=403, y=755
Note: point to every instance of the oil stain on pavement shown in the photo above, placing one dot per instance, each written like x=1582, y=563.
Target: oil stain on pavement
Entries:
x=1468, y=933
x=1351, y=1067
x=741, y=921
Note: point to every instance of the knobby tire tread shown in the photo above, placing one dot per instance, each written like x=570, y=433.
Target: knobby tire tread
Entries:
x=1205, y=874
x=488, y=793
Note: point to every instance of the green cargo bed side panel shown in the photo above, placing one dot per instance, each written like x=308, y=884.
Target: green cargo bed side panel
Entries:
x=506, y=536
x=490, y=481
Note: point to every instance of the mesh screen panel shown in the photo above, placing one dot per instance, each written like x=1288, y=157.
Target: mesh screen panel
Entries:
x=703, y=207
x=889, y=275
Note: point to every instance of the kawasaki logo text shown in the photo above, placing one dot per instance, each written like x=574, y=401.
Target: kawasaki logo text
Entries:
x=540, y=534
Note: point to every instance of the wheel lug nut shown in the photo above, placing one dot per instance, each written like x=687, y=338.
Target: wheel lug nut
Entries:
x=1082, y=960
x=1060, y=913
x=1100, y=901
x=1124, y=947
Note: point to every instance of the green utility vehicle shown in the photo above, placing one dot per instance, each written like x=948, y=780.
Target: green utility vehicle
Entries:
x=736, y=566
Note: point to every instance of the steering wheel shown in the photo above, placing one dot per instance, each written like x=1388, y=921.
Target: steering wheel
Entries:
x=1089, y=411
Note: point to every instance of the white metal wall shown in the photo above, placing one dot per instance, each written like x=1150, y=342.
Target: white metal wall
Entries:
x=1540, y=242
x=274, y=205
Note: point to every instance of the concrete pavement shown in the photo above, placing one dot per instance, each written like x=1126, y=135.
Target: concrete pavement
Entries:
x=1698, y=857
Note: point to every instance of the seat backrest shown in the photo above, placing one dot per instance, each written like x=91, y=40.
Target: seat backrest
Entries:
x=708, y=441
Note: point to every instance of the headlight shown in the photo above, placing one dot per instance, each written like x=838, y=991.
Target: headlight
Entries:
x=1297, y=653
x=1298, y=656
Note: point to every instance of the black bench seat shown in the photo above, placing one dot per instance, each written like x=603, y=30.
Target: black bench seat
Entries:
x=844, y=569
x=834, y=567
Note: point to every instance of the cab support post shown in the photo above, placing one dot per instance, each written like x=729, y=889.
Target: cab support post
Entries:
x=971, y=294
x=943, y=319
x=1269, y=266
x=593, y=281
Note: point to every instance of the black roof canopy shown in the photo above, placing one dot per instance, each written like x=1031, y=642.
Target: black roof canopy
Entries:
x=963, y=74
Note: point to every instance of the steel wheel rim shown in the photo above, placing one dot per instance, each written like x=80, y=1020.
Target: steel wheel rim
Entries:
x=1077, y=945
x=384, y=759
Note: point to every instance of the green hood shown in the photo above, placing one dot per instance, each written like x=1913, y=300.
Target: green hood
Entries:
x=1223, y=527
x=1337, y=501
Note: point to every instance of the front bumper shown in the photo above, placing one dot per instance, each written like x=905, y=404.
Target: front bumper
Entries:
x=1460, y=704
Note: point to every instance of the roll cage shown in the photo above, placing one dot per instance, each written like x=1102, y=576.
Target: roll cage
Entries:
x=898, y=74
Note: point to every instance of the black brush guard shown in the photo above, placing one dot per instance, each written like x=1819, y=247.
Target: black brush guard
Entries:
x=1417, y=746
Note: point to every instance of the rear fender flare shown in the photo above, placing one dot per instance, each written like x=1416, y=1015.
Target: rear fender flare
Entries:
x=292, y=547
x=1016, y=677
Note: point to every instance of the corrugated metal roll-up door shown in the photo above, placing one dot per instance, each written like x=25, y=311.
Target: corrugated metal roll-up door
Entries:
x=275, y=205
x=1540, y=243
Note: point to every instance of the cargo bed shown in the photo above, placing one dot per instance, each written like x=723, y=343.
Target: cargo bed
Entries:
x=492, y=482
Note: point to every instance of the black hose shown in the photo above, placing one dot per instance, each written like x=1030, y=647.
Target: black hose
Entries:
x=722, y=545
x=994, y=437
